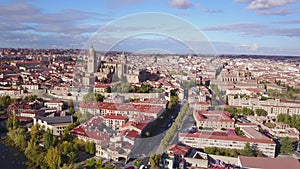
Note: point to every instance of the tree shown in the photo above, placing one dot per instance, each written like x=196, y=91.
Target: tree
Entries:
x=210, y=150
x=71, y=107
x=70, y=166
x=247, y=111
x=107, y=89
x=12, y=122
x=89, y=97
x=91, y=162
x=35, y=133
x=32, y=97
x=66, y=147
x=154, y=160
x=286, y=146
x=72, y=157
x=99, y=163
x=99, y=97
x=173, y=99
x=33, y=153
x=261, y=112
x=248, y=151
x=48, y=139
x=5, y=101
x=238, y=131
x=53, y=158
x=90, y=147
x=18, y=136
x=148, y=134
x=137, y=162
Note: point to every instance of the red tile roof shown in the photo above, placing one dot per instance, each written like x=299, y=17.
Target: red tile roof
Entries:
x=179, y=150
x=114, y=117
x=122, y=107
x=89, y=129
x=221, y=116
x=269, y=163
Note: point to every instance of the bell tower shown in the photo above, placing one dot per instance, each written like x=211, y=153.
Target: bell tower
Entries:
x=92, y=61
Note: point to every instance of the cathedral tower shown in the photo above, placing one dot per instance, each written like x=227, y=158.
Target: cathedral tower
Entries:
x=92, y=61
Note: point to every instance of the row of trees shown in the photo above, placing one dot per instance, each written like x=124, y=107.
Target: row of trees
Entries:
x=247, y=151
x=245, y=111
x=235, y=111
x=127, y=88
x=286, y=146
x=174, y=128
x=292, y=92
x=93, y=97
x=292, y=120
x=261, y=112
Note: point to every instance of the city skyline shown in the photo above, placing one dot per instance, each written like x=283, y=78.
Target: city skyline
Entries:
x=233, y=27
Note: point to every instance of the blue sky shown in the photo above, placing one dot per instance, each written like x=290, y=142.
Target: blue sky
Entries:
x=231, y=26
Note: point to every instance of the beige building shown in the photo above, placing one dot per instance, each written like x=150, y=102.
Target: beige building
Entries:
x=214, y=119
x=272, y=106
x=55, y=104
x=126, y=109
x=56, y=124
x=213, y=139
x=115, y=121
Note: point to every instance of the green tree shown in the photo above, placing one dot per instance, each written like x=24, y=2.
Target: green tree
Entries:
x=12, y=122
x=99, y=97
x=261, y=112
x=71, y=107
x=210, y=150
x=154, y=160
x=238, y=131
x=18, y=136
x=33, y=153
x=137, y=163
x=89, y=97
x=70, y=166
x=32, y=97
x=286, y=146
x=72, y=157
x=248, y=151
x=99, y=163
x=90, y=147
x=5, y=101
x=35, y=133
x=48, y=139
x=173, y=99
x=247, y=111
x=107, y=89
x=53, y=158
x=90, y=162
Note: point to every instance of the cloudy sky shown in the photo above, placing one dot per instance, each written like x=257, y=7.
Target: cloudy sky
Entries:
x=231, y=26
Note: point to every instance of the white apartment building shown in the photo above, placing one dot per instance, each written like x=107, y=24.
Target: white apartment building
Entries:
x=212, y=139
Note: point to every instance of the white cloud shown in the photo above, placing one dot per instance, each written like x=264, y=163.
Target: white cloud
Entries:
x=205, y=10
x=268, y=4
x=281, y=12
x=181, y=4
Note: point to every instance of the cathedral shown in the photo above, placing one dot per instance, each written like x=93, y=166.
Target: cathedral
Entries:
x=118, y=70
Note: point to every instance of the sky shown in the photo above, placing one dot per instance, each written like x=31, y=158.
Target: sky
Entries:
x=265, y=27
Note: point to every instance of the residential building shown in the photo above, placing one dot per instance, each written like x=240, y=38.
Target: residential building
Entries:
x=222, y=140
x=56, y=124
x=216, y=120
